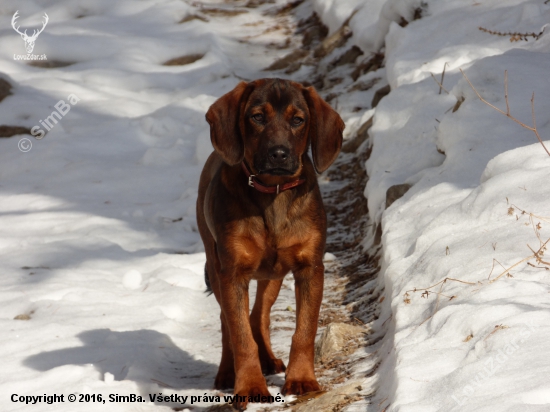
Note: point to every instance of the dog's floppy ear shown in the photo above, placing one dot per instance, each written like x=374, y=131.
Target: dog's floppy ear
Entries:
x=325, y=130
x=224, y=117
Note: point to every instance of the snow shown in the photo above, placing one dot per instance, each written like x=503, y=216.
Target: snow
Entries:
x=99, y=242
x=364, y=21
x=98, y=239
x=455, y=221
x=473, y=173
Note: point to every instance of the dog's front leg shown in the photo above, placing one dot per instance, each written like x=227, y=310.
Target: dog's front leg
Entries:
x=249, y=380
x=300, y=374
x=266, y=295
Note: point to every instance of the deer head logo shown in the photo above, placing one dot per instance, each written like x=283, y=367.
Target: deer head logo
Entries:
x=29, y=40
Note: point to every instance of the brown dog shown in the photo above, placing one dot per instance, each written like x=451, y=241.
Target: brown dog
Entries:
x=260, y=215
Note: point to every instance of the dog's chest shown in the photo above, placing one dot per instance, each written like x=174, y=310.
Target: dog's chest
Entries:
x=276, y=262
x=281, y=247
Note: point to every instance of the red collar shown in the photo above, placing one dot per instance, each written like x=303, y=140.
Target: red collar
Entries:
x=252, y=182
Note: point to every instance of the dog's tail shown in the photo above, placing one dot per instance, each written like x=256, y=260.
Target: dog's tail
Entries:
x=208, y=290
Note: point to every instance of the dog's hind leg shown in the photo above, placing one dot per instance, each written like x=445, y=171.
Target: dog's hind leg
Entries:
x=266, y=294
x=208, y=290
x=225, y=379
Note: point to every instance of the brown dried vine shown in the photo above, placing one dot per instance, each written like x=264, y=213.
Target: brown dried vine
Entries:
x=537, y=255
x=514, y=36
x=507, y=112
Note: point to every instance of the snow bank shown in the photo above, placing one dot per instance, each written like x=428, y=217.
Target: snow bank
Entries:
x=364, y=21
x=473, y=172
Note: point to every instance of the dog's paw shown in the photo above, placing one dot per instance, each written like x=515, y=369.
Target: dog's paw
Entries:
x=225, y=380
x=299, y=387
x=256, y=393
x=273, y=366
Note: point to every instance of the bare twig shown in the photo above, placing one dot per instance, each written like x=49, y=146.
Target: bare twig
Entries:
x=514, y=36
x=443, y=77
x=510, y=268
x=438, y=295
x=440, y=85
x=497, y=328
x=426, y=292
x=536, y=255
x=506, y=92
x=524, y=212
x=493, y=267
x=438, y=283
x=507, y=114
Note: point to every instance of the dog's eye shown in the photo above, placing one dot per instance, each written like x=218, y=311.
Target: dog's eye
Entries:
x=296, y=121
x=258, y=117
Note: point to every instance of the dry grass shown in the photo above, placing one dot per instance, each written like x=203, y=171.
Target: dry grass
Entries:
x=507, y=112
x=183, y=60
x=496, y=329
x=537, y=255
x=426, y=292
x=514, y=36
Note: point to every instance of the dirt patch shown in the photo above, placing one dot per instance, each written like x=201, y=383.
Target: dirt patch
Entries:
x=5, y=89
x=380, y=94
x=9, y=131
x=183, y=60
x=364, y=86
x=290, y=59
x=312, y=30
x=217, y=12
x=287, y=8
x=361, y=136
x=348, y=57
x=191, y=17
x=252, y=4
x=334, y=400
x=371, y=64
x=335, y=341
x=396, y=192
x=334, y=41
x=50, y=64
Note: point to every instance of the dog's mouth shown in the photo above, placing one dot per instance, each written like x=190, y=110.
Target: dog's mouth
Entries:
x=277, y=171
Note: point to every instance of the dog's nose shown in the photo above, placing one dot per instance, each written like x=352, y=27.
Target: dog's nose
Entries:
x=278, y=154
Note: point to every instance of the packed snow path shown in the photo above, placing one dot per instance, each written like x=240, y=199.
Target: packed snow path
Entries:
x=102, y=283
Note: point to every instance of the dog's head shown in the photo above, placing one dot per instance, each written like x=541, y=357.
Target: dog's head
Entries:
x=269, y=124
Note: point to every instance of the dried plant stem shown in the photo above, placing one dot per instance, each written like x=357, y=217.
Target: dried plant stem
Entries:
x=514, y=36
x=496, y=329
x=507, y=113
x=439, y=293
x=536, y=255
x=524, y=212
x=440, y=85
x=437, y=299
x=506, y=92
x=510, y=268
x=493, y=268
x=443, y=77
x=438, y=283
